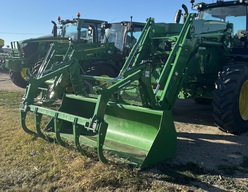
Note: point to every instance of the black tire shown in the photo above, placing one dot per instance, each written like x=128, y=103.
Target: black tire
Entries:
x=17, y=79
x=37, y=66
x=203, y=101
x=230, y=103
x=98, y=70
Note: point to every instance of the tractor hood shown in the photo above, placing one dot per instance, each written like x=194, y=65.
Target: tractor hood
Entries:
x=45, y=38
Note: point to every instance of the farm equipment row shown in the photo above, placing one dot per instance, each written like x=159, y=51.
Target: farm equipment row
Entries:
x=4, y=55
x=125, y=107
x=111, y=41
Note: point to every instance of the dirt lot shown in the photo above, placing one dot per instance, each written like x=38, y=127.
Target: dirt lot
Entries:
x=7, y=85
x=199, y=140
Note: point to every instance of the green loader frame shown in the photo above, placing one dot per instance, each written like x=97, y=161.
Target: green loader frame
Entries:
x=131, y=115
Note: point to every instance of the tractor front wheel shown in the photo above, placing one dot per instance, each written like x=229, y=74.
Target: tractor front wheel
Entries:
x=230, y=102
x=18, y=79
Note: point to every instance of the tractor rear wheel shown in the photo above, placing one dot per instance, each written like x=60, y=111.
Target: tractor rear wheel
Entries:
x=18, y=79
x=230, y=103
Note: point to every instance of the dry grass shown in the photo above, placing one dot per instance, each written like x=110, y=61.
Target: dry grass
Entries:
x=28, y=163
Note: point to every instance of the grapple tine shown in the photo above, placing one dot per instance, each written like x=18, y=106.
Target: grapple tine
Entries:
x=56, y=121
x=23, y=115
x=76, y=133
x=100, y=141
x=37, y=118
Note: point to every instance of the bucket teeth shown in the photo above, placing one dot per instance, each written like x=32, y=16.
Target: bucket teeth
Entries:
x=79, y=128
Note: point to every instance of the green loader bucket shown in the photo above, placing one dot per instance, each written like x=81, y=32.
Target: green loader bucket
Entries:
x=136, y=134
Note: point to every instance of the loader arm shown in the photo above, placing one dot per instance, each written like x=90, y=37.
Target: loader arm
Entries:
x=49, y=71
x=129, y=73
x=135, y=68
x=141, y=48
x=176, y=65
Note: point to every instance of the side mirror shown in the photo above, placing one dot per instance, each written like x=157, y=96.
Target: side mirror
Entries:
x=178, y=16
x=186, y=12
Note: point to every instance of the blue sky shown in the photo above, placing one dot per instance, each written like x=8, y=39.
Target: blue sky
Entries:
x=23, y=19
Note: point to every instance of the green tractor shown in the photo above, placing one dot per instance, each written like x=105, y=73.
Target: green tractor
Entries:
x=130, y=115
x=1, y=45
x=28, y=55
x=4, y=54
x=103, y=59
x=1, y=53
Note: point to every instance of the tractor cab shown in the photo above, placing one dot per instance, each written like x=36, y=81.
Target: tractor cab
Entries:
x=234, y=12
x=123, y=34
x=79, y=30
